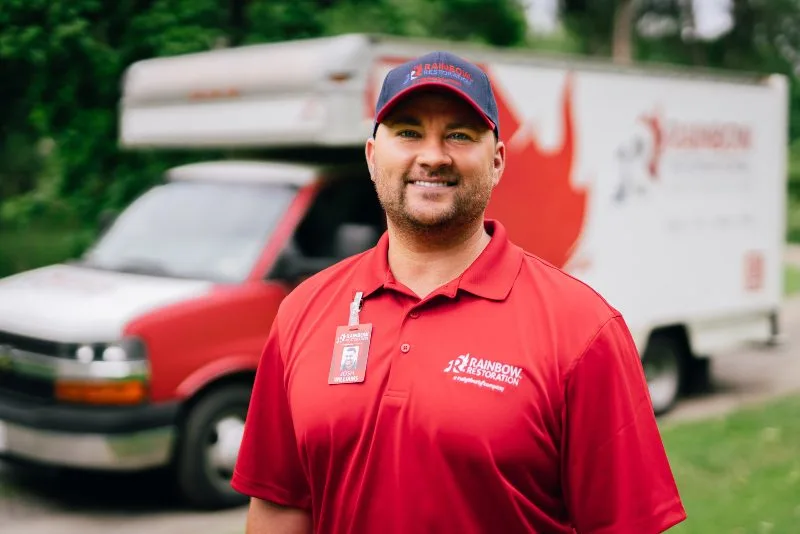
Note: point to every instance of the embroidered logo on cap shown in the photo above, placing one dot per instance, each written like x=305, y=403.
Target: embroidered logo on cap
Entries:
x=443, y=71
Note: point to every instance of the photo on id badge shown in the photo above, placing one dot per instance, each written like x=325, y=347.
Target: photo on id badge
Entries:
x=345, y=370
x=349, y=360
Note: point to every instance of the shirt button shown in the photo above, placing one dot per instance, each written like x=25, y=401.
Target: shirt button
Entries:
x=405, y=347
x=413, y=315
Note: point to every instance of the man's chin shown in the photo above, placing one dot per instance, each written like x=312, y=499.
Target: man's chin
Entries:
x=430, y=220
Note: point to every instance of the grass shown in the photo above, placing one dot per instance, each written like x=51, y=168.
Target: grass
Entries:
x=739, y=474
x=791, y=279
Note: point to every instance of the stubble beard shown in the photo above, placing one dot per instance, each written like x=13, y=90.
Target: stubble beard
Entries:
x=468, y=207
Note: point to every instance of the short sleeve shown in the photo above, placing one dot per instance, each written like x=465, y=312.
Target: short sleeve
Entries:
x=268, y=466
x=617, y=478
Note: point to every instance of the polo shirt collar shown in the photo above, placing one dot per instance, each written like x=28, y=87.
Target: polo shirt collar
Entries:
x=490, y=276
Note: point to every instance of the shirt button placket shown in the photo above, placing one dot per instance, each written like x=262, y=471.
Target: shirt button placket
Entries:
x=403, y=370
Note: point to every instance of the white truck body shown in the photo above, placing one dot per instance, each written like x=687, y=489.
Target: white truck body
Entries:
x=682, y=174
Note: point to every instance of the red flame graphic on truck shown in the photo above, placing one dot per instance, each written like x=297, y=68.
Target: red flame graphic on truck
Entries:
x=536, y=200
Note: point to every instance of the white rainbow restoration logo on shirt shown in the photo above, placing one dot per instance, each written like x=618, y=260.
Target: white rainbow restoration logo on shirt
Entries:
x=466, y=366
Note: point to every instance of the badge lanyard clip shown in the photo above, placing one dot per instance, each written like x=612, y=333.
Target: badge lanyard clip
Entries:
x=355, y=308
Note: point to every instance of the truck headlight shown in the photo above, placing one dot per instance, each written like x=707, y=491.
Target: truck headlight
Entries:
x=108, y=373
x=126, y=350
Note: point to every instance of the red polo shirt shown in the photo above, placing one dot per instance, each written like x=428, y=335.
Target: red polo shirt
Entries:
x=510, y=400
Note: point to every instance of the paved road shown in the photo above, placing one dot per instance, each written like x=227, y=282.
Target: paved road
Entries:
x=750, y=375
x=44, y=502
x=47, y=502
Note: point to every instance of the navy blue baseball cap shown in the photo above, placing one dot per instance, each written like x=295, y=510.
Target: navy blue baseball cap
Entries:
x=443, y=70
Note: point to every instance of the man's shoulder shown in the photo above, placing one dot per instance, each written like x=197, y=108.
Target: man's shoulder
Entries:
x=577, y=310
x=562, y=287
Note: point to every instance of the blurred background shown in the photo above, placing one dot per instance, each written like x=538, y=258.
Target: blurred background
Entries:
x=62, y=63
x=737, y=459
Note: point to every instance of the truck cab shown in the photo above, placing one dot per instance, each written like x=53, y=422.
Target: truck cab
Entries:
x=141, y=353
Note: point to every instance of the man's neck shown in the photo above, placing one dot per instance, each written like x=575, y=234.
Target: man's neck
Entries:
x=423, y=265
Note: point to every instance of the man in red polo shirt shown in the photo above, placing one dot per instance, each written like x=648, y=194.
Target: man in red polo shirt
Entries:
x=447, y=381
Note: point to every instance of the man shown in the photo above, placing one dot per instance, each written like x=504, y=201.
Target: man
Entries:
x=493, y=393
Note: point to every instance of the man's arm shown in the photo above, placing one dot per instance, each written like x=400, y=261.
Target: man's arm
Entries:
x=265, y=517
x=268, y=467
x=617, y=478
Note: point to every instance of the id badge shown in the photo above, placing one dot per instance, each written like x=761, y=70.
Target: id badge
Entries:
x=350, y=352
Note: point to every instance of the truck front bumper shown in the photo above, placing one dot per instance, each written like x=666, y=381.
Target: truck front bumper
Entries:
x=111, y=439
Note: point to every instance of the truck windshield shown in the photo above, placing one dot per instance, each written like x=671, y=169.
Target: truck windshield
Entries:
x=209, y=231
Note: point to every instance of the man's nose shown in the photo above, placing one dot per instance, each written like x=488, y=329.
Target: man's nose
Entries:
x=433, y=154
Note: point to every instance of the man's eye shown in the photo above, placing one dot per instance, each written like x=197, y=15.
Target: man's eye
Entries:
x=407, y=133
x=460, y=136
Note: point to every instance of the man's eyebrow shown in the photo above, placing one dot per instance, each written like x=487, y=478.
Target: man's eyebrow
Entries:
x=472, y=125
x=408, y=120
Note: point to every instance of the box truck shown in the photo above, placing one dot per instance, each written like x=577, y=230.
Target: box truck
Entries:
x=664, y=189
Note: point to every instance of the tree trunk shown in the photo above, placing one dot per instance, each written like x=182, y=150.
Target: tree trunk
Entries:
x=623, y=27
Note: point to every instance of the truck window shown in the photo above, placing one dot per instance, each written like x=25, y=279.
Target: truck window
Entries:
x=344, y=219
x=204, y=230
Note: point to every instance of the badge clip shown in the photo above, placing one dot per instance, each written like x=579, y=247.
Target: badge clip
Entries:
x=355, y=308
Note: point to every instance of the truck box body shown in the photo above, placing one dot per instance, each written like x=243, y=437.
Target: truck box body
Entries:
x=665, y=190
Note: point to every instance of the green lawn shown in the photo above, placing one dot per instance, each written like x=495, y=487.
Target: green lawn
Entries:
x=791, y=279
x=739, y=474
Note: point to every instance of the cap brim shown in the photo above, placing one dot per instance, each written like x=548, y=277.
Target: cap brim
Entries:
x=427, y=85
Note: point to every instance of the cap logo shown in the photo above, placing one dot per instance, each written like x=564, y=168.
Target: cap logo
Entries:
x=444, y=71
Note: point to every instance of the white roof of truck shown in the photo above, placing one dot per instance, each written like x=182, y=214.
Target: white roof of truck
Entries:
x=276, y=94
x=246, y=172
x=312, y=92
x=245, y=71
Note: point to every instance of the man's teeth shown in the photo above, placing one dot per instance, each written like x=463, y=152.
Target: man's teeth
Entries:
x=431, y=184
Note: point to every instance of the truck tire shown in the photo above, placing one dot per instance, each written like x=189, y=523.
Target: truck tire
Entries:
x=208, y=445
x=663, y=363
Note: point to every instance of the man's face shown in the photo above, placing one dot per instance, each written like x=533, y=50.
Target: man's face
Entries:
x=434, y=162
x=349, y=358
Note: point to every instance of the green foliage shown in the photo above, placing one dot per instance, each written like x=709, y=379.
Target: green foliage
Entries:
x=269, y=21
x=793, y=220
x=62, y=63
x=593, y=21
x=38, y=247
x=794, y=168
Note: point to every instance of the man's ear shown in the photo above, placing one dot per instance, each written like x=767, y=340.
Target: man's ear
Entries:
x=369, y=152
x=499, y=162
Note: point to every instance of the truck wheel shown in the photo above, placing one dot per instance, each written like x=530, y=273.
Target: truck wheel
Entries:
x=208, y=447
x=663, y=367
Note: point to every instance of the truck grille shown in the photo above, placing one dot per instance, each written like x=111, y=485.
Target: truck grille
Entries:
x=21, y=386
x=36, y=346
